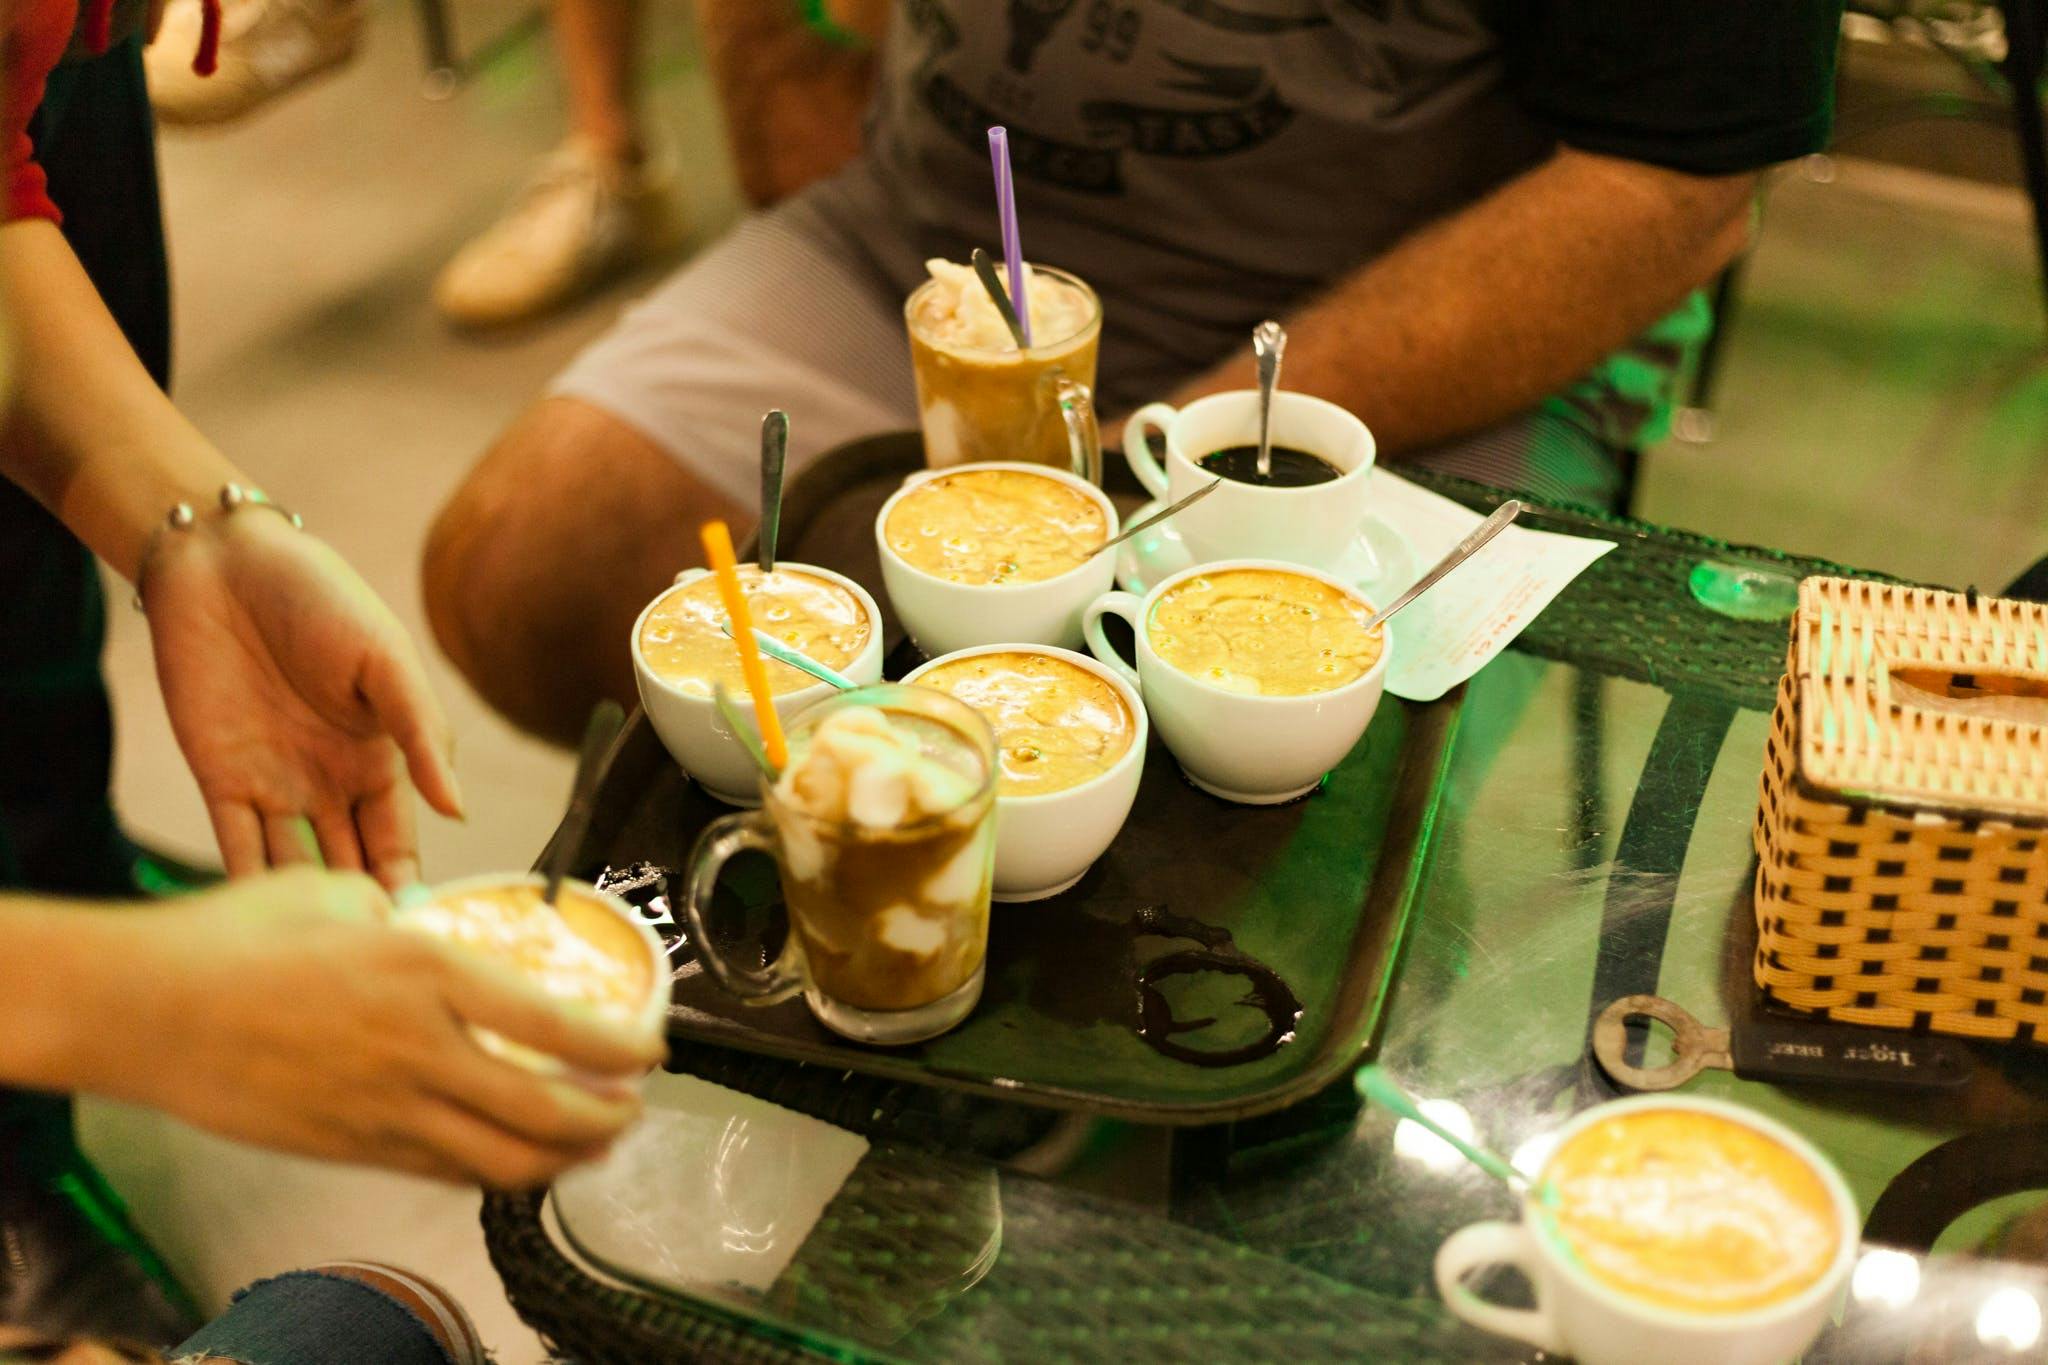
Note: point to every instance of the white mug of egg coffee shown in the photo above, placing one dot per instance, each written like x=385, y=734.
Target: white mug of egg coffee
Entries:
x=1258, y=675
x=1669, y=1229
x=589, y=950
x=983, y=554
x=1070, y=737
x=679, y=650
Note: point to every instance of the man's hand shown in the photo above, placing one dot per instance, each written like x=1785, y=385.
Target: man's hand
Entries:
x=294, y=694
x=281, y=1011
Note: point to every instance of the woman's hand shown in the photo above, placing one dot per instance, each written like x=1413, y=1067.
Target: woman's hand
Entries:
x=281, y=1011
x=294, y=693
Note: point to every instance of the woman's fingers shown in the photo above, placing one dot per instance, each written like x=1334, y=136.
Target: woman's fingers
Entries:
x=335, y=829
x=288, y=840
x=489, y=996
x=555, y=1113
x=238, y=829
x=390, y=841
x=488, y=1154
x=396, y=689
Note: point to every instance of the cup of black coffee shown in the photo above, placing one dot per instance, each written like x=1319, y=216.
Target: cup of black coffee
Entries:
x=1307, y=510
x=1286, y=467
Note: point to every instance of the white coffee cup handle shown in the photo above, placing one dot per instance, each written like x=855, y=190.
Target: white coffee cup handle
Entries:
x=1491, y=1244
x=1150, y=468
x=1124, y=604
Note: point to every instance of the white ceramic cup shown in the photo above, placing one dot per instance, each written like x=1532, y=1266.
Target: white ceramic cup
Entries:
x=1045, y=843
x=689, y=725
x=1312, y=526
x=1578, y=1316
x=652, y=1013
x=944, y=617
x=1257, y=751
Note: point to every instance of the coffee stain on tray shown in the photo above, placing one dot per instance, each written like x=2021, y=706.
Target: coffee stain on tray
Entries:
x=1266, y=991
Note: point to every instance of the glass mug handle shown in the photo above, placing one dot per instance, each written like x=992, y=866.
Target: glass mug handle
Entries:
x=1491, y=1244
x=745, y=831
x=1150, y=468
x=1084, y=434
x=1124, y=604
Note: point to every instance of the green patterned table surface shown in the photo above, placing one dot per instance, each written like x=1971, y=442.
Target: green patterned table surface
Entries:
x=1593, y=841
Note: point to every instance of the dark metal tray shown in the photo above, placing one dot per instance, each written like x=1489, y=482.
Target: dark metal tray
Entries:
x=1163, y=987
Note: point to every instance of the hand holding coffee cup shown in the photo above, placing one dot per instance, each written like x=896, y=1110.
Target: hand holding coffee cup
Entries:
x=1259, y=676
x=680, y=651
x=1669, y=1229
x=1307, y=511
x=988, y=554
x=588, y=950
x=1070, y=738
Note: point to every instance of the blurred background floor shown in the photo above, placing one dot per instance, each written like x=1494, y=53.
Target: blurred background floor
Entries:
x=1883, y=402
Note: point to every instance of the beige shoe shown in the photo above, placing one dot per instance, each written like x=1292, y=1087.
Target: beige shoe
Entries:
x=578, y=222
x=266, y=48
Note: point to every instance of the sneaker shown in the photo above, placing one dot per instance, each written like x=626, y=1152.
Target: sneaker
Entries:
x=580, y=221
x=74, y=1264
x=266, y=48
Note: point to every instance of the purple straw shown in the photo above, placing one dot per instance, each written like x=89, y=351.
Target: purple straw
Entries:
x=1006, y=209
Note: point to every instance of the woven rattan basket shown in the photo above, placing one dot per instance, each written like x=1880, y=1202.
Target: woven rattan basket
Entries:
x=1903, y=879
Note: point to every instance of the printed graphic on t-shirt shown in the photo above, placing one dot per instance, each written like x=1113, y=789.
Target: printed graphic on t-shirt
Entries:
x=1179, y=95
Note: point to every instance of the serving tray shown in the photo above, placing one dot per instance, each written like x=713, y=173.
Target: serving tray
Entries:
x=1219, y=961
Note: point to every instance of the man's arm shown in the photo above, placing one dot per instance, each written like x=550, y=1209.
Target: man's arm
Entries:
x=793, y=102
x=1483, y=314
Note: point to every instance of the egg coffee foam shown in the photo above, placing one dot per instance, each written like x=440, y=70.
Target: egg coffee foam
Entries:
x=956, y=311
x=1692, y=1211
x=886, y=854
x=576, y=950
x=995, y=526
x=683, y=642
x=1264, y=632
x=1057, y=725
x=979, y=398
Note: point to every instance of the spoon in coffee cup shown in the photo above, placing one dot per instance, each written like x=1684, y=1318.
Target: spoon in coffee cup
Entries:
x=985, y=271
x=603, y=727
x=1462, y=551
x=1161, y=515
x=802, y=663
x=1269, y=344
x=1375, y=1086
x=774, y=453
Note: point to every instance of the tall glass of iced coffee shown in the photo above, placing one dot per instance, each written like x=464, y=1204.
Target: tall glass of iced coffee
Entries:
x=980, y=397
x=882, y=824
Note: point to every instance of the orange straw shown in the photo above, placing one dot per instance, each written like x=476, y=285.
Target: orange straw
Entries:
x=718, y=553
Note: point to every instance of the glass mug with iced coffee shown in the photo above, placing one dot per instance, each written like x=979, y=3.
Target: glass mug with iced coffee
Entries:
x=882, y=824
x=979, y=397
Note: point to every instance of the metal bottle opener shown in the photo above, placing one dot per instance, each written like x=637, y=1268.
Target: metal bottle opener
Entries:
x=1765, y=1050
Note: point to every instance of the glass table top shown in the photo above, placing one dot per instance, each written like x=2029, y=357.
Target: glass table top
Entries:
x=1593, y=841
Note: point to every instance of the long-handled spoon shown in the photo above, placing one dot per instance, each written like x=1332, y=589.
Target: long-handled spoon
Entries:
x=1269, y=345
x=1462, y=551
x=802, y=663
x=985, y=269
x=774, y=453
x=1161, y=515
x=1377, y=1087
x=605, y=719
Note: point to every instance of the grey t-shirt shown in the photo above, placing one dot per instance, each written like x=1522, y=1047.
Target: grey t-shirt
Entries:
x=1207, y=163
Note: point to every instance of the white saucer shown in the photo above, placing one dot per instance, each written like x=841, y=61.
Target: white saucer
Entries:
x=1160, y=553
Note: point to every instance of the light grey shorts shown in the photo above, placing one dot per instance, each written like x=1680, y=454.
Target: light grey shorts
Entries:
x=789, y=312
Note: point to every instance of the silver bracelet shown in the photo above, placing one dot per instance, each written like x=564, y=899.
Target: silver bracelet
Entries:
x=183, y=517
